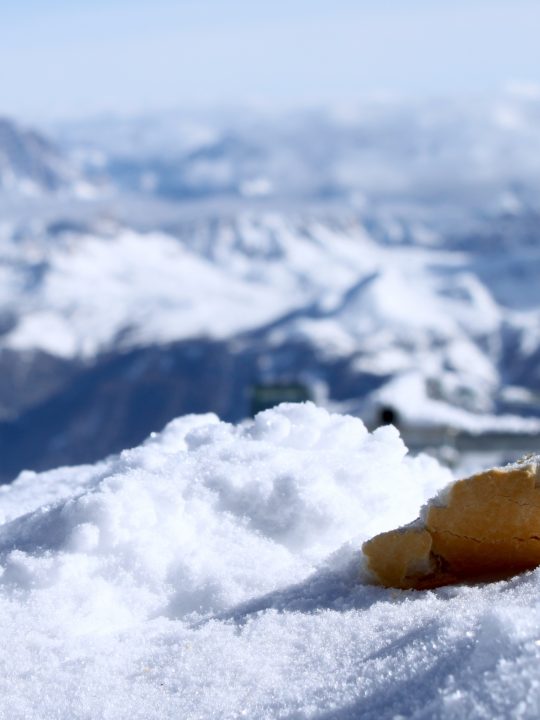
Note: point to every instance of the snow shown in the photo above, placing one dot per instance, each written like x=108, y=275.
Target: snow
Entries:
x=407, y=394
x=215, y=572
x=44, y=330
x=96, y=292
x=79, y=295
x=341, y=286
x=146, y=285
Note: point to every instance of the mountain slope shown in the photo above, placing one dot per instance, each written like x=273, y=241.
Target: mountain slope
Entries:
x=33, y=165
x=195, y=321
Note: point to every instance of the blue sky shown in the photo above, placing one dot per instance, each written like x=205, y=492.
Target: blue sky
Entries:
x=60, y=58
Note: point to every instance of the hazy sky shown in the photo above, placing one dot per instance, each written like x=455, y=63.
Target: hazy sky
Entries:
x=71, y=58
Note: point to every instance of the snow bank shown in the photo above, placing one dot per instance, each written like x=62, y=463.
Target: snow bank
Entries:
x=214, y=572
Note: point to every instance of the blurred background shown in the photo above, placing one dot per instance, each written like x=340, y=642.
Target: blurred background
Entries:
x=220, y=205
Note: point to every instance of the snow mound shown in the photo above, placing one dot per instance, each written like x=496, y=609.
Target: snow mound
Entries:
x=207, y=514
x=214, y=572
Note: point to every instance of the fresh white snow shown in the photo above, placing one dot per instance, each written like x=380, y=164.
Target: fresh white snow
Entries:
x=215, y=572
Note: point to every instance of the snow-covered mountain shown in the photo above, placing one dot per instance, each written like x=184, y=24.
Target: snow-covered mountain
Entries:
x=409, y=284
x=31, y=164
x=385, y=262
x=473, y=152
x=123, y=329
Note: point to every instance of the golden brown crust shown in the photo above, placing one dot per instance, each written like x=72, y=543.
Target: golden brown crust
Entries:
x=489, y=528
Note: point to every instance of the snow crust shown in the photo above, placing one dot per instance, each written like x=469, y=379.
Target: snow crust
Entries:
x=215, y=572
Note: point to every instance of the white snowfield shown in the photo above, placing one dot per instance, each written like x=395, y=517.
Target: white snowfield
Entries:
x=215, y=572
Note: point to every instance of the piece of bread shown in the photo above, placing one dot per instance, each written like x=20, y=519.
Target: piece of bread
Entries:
x=482, y=528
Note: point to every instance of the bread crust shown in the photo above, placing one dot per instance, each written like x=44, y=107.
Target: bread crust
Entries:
x=486, y=527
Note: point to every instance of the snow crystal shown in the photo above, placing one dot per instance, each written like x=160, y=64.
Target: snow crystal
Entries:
x=215, y=572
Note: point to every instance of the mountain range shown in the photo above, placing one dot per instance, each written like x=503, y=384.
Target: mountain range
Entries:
x=384, y=258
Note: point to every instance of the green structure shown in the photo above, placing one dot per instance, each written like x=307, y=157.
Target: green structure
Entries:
x=265, y=396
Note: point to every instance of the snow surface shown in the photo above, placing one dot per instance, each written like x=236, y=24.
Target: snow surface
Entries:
x=215, y=572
